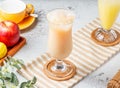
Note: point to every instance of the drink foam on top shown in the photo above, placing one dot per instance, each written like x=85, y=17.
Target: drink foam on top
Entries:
x=12, y=6
x=61, y=16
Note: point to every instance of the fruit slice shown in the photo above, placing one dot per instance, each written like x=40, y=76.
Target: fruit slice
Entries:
x=3, y=50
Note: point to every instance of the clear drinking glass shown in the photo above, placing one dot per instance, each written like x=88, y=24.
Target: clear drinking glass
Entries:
x=60, y=42
x=108, y=12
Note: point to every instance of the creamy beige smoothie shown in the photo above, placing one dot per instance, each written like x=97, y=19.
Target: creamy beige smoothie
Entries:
x=60, y=33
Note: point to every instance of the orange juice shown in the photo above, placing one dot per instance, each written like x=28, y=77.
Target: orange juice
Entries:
x=108, y=11
x=60, y=33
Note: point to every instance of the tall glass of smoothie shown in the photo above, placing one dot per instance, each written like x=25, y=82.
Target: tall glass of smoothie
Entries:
x=60, y=44
x=108, y=12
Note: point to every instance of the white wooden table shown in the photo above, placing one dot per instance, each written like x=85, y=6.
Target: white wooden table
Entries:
x=36, y=35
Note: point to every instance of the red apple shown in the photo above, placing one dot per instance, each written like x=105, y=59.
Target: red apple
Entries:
x=9, y=33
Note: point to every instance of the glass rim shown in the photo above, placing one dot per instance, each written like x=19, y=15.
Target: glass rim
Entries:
x=61, y=9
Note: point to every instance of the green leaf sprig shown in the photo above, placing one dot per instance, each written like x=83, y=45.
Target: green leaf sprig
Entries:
x=28, y=84
x=7, y=75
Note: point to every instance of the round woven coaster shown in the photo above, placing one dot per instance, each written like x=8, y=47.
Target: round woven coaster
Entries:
x=58, y=75
x=103, y=43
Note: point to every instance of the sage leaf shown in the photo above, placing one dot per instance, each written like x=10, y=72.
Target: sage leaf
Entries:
x=23, y=85
x=29, y=84
x=14, y=80
x=2, y=83
x=34, y=80
x=7, y=76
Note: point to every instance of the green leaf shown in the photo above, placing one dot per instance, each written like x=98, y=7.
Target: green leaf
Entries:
x=1, y=75
x=16, y=63
x=34, y=80
x=17, y=66
x=7, y=76
x=23, y=85
x=20, y=62
x=13, y=61
x=14, y=79
x=2, y=83
x=29, y=83
x=3, y=86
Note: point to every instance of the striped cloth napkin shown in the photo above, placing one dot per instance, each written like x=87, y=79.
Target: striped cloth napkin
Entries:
x=86, y=55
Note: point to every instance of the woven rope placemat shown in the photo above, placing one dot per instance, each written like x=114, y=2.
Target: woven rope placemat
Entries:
x=86, y=55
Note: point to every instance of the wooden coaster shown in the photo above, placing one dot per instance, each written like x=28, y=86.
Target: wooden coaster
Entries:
x=14, y=49
x=103, y=43
x=59, y=76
